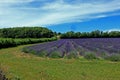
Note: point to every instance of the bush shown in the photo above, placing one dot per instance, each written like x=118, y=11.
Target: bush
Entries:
x=9, y=42
x=55, y=55
x=4, y=43
x=72, y=55
x=103, y=55
x=113, y=57
x=42, y=54
x=90, y=56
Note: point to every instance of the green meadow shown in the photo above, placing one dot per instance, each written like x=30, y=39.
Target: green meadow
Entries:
x=21, y=66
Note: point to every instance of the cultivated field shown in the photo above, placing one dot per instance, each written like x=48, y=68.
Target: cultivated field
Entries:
x=21, y=66
x=73, y=48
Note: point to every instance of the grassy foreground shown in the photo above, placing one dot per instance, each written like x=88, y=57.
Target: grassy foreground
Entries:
x=20, y=66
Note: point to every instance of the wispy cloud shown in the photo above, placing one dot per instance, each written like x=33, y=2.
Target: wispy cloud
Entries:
x=114, y=29
x=47, y=12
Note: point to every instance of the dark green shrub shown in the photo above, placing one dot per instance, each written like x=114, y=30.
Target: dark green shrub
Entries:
x=9, y=42
x=42, y=54
x=103, y=55
x=90, y=56
x=114, y=57
x=27, y=50
x=55, y=55
x=72, y=55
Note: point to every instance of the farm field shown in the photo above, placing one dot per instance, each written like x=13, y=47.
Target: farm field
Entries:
x=73, y=48
x=18, y=65
x=59, y=39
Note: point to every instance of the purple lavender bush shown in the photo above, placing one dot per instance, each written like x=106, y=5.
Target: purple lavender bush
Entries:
x=73, y=48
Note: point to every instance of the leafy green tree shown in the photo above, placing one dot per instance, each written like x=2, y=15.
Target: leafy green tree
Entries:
x=93, y=34
x=26, y=32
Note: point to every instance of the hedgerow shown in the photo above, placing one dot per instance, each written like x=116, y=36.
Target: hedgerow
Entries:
x=9, y=42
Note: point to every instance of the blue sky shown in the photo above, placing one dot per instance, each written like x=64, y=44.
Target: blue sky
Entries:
x=61, y=15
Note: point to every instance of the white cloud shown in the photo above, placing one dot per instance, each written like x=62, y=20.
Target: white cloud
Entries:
x=114, y=29
x=56, y=12
x=15, y=1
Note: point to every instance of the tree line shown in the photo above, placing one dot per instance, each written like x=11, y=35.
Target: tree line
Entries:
x=42, y=32
x=93, y=34
x=26, y=32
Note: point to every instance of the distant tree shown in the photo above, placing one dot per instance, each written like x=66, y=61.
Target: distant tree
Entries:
x=59, y=33
x=93, y=34
x=114, y=34
x=84, y=35
x=26, y=32
x=105, y=34
x=69, y=34
x=77, y=34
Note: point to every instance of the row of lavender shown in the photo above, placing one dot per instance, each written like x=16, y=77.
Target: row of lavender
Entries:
x=77, y=47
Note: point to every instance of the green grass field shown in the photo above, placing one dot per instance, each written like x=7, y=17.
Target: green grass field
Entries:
x=21, y=66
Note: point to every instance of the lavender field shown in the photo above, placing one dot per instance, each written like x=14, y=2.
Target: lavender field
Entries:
x=76, y=47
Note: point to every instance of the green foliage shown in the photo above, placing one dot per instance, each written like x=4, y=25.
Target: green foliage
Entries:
x=72, y=55
x=9, y=42
x=42, y=54
x=55, y=55
x=93, y=34
x=4, y=43
x=103, y=55
x=90, y=56
x=25, y=49
x=114, y=57
x=70, y=34
x=26, y=32
x=114, y=34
